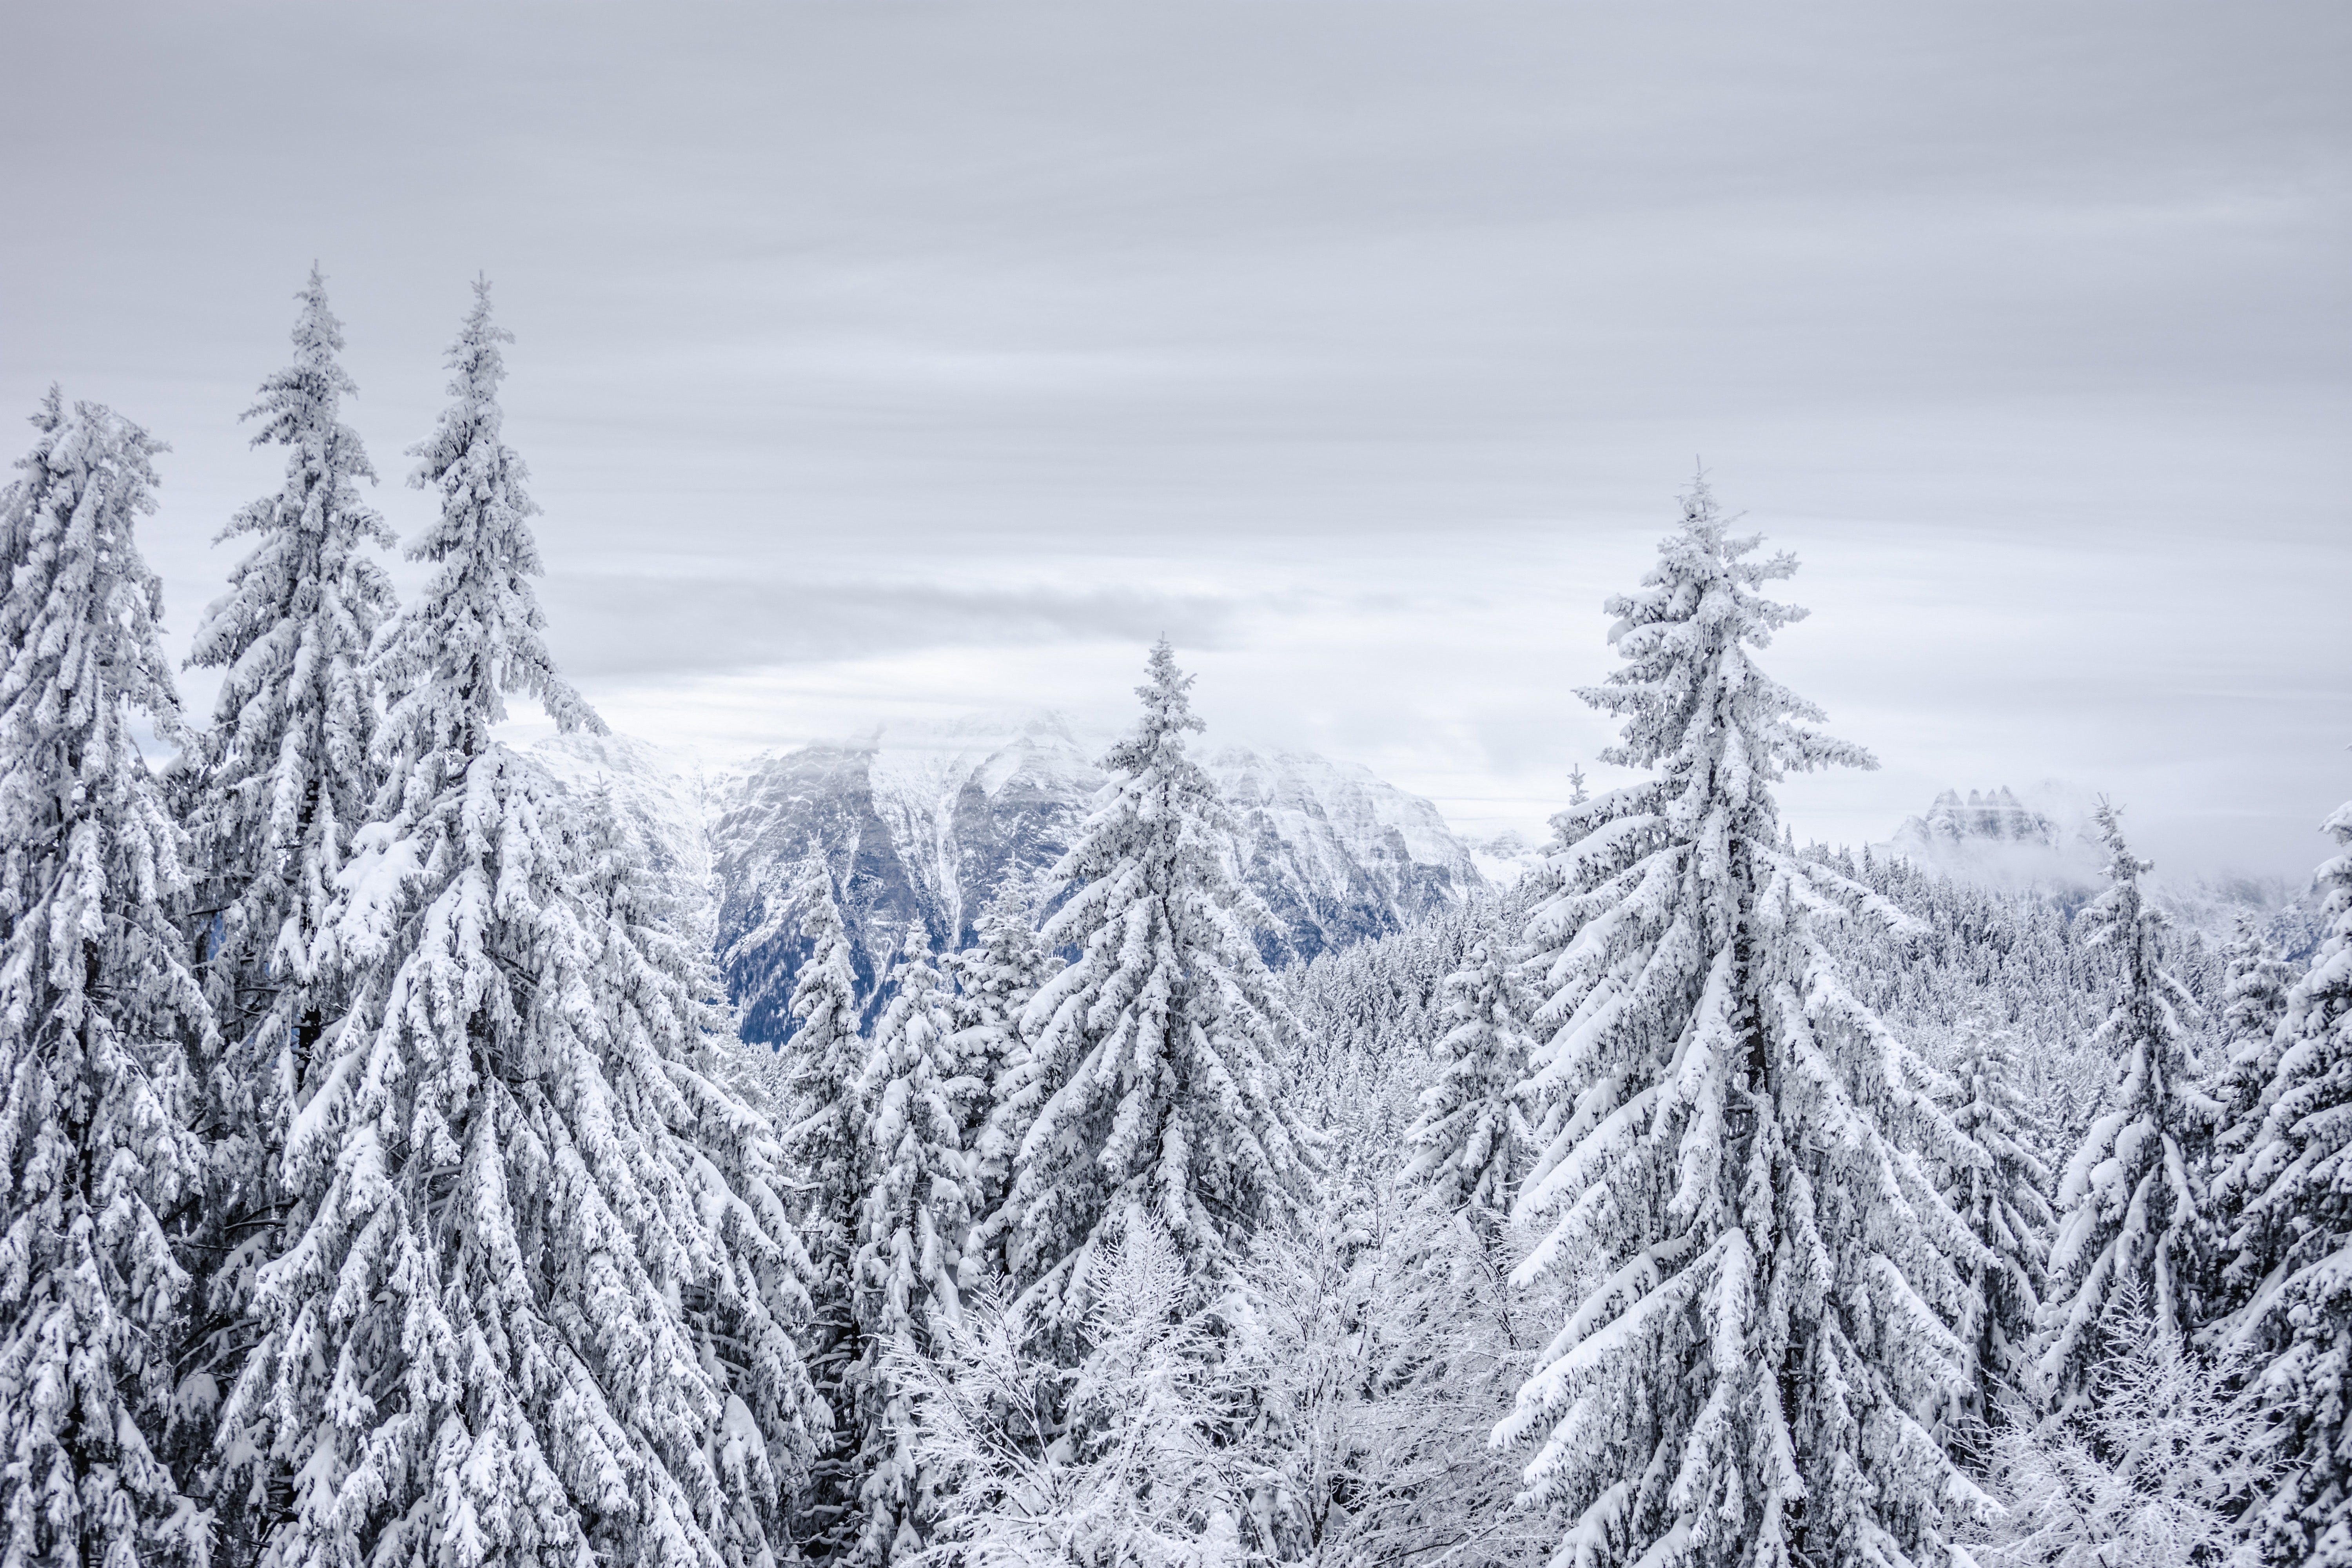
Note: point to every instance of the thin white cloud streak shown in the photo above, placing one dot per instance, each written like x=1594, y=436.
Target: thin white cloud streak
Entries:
x=912, y=356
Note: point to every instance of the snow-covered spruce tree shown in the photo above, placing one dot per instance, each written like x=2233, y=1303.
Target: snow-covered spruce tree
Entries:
x=286, y=778
x=2255, y=980
x=2298, y=1326
x=1551, y=909
x=1157, y=1055
x=290, y=771
x=2128, y=1201
x=825, y=1145
x=2000, y=1190
x=2254, y=985
x=913, y=1230
x=1754, y=1368
x=995, y=977
x=95, y=998
x=475, y=1346
x=670, y=1050
x=1469, y=1144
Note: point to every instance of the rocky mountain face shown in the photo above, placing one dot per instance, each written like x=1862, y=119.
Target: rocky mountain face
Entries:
x=1994, y=818
x=922, y=825
x=915, y=827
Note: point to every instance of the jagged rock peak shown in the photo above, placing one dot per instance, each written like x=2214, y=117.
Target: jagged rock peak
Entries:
x=1996, y=816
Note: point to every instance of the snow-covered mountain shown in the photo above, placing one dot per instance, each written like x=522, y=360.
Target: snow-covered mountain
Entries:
x=2045, y=845
x=1994, y=839
x=923, y=823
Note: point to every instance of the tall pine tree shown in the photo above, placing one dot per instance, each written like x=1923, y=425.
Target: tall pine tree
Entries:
x=2298, y=1224
x=912, y=1230
x=743, y=1277
x=1158, y=1055
x=287, y=778
x=475, y=1347
x=995, y=978
x=289, y=765
x=1469, y=1144
x=1753, y=1370
x=2128, y=1200
x=2236, y=1254
x=95, y=999
x=825, y=1146
x=2000, y=1189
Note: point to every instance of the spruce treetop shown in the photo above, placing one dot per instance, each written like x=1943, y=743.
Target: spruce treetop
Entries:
x=82, y=608
x=294, y=722
x=474, y=638
x=298, y=408
x=1164, y=792
x=304, y=568
x=1697, y=706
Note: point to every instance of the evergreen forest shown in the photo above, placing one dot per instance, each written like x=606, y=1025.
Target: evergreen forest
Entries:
x=384, y=1182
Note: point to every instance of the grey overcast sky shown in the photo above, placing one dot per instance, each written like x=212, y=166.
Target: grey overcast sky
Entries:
x=882, y=360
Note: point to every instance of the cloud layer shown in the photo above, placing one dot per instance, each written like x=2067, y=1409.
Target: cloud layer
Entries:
x=887, y=359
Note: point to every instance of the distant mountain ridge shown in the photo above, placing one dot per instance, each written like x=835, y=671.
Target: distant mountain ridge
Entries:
x=2045, y=845
x=923, y=823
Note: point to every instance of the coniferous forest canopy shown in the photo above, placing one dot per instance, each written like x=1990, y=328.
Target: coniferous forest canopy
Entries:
x=411, y=1159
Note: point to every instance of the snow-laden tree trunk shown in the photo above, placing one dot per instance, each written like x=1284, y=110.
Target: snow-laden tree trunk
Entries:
x=2298, y=1325
x=1469, y=1144
x=1766, y=1335
x=95, y=999
x=478, y=1346
x=2128, y=1202
x=912, y=1230
x=286, y=778
x=1158, y=1058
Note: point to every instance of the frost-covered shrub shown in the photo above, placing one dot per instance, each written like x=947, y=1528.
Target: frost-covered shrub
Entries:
x=2150, y=1471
